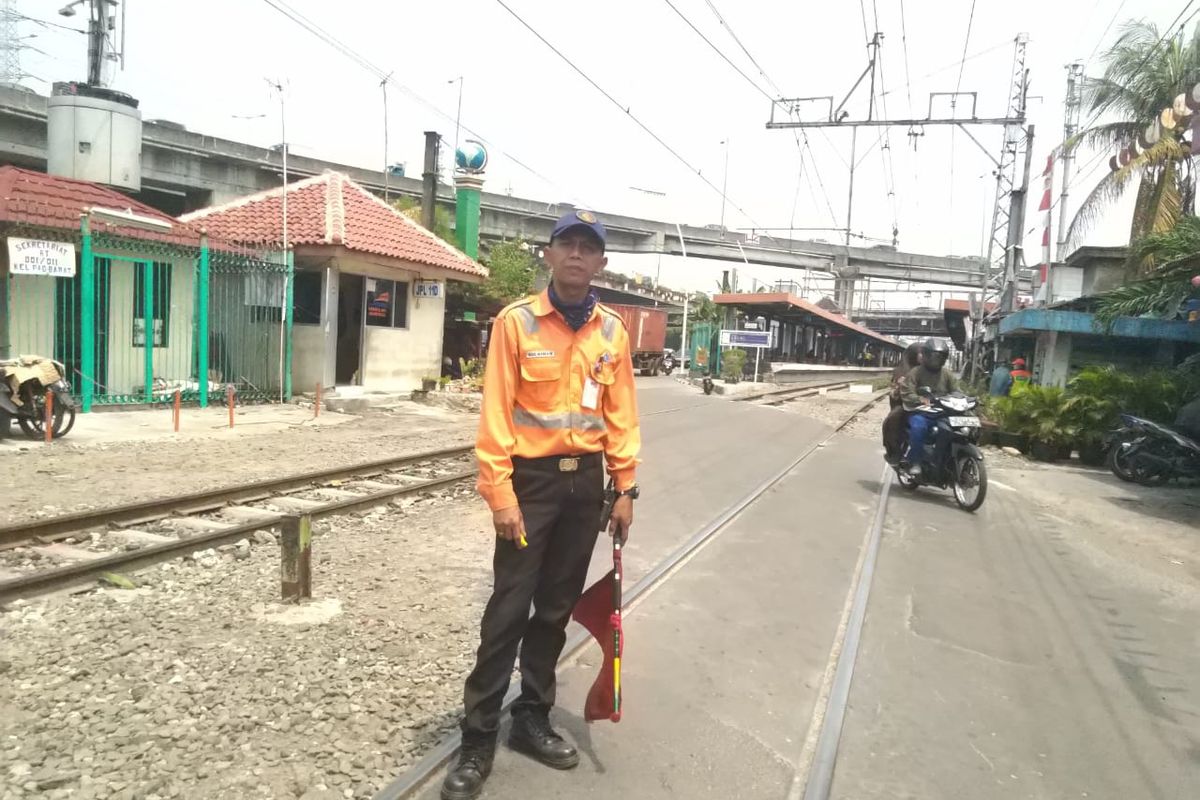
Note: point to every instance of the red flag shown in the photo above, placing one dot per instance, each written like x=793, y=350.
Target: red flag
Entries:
x=599, y=610
x=594, y=611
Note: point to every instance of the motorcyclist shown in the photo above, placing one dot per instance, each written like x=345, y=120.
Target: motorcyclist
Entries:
x=934, y=377
x=897, y=419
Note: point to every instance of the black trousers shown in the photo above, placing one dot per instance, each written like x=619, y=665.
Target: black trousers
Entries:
x=562, y=520
x=895, y=428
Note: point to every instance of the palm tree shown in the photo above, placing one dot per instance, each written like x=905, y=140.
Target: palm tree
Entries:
x=1143, y=75
x=1176, y=254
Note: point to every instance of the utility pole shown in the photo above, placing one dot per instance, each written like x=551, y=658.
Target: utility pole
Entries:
x=1014, y=251
x=724, y=185
x=1074, y=105
x=430, y=176
x=457, y=123
x=10, y=44
x=387, y=171
x=994, y=274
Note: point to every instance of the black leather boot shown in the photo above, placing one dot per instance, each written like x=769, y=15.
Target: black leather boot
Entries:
x=465, y=780
x=532, y=735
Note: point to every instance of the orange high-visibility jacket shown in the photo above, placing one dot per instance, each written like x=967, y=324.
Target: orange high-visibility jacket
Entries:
x=552, y=391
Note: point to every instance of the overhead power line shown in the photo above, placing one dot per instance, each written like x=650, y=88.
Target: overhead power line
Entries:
x=734, y=36
x=978, y=54
x=966, y=42
x=774, y=100
x=387, y=76
x=626, y=109
x=1107, y=28
x=1167, y=34
x=904, y=43
x=720, y=53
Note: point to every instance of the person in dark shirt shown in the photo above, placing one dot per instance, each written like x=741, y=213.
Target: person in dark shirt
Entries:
x=931, y=375
x=894, y=422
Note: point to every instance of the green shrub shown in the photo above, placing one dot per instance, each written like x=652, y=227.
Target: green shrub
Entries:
x=732, y=363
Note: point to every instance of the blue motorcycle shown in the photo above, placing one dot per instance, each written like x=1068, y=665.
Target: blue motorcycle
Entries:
x=952, y=458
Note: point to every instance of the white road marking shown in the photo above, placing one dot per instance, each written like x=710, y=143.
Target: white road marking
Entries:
x=1000, y=485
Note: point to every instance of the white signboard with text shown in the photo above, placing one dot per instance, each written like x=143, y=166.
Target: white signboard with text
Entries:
x=40, y=257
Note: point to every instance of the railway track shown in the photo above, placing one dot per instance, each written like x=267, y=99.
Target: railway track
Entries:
x=779, y=397
x=428, y=769
x=76, y=549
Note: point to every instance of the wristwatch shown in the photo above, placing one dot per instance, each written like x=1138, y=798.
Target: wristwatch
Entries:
x=633, y=492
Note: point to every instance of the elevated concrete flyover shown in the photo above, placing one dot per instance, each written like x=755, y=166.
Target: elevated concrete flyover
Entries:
x=918, y=322
x=184, y=171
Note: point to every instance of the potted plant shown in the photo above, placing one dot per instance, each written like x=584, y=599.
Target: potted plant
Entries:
x=1091, y=417
x=428, y=383
x=1047, y=422
x=732, y=364
x=1009, y=414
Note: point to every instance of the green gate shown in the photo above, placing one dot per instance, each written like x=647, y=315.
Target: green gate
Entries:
x=140, y=320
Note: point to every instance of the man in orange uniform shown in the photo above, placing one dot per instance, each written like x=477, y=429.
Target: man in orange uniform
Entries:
x=558, y=402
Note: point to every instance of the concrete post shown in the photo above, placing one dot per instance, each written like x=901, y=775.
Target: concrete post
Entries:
x=466, y=212
x=430, y=176
x=296, y=560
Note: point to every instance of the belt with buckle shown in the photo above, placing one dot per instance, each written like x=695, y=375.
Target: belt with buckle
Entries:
x=561, y=463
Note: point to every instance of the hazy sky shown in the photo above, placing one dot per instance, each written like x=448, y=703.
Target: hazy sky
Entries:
x=205, y=65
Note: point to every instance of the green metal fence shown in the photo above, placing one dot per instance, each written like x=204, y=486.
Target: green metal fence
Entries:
x=139, y=320
x=249, y=325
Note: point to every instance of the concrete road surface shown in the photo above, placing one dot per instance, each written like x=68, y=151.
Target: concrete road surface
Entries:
x=1002, y=657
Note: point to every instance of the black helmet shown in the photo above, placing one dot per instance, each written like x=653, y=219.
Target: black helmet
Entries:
x=934, y=354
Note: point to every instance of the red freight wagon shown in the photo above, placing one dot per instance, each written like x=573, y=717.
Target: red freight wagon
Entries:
x=647, y=335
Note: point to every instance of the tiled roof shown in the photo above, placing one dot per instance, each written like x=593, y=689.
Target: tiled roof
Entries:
x=50, y=201
x=962, y=305
x=331, y=209
x=776, y=298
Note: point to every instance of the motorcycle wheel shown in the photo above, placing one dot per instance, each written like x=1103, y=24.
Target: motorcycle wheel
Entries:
x=1148, y=474
x=35, y=428
x=907, y=481
x=970, y=483
x=1119, y=461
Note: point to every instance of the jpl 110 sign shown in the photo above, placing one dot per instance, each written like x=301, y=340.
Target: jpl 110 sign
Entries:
x=745, y=338
x=427, y=289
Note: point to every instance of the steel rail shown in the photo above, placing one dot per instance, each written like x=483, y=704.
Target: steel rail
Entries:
x=207, y=500
x=419, y=774
x=83, y=572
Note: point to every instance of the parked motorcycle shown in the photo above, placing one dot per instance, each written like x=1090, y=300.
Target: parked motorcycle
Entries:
x=952, y=458
x=25, y=384
x=1152, y=454
x=669, y=363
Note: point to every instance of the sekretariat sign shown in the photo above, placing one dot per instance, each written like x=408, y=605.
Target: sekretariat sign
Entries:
x=41, y=257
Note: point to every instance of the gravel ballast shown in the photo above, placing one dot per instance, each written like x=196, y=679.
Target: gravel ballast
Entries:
x=199, y=683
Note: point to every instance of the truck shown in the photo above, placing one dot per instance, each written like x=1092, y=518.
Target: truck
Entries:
x=647, y=328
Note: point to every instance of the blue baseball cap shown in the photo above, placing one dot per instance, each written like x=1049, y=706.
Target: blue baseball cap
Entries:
x=580, y=219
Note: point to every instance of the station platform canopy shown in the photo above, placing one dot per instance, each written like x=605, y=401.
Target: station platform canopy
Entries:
x=788, y=308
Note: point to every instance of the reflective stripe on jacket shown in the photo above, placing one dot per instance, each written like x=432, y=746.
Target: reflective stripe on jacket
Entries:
x=534, y=390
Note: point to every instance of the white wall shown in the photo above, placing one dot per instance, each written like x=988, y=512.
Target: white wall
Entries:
x=1052, y=359
x=395, y=359
x=126, y=363
x=308, y=357
x=31, y=305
